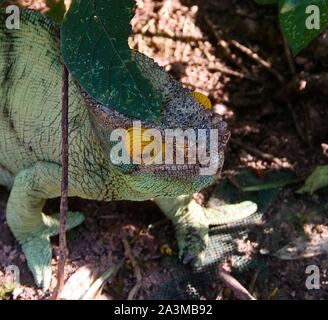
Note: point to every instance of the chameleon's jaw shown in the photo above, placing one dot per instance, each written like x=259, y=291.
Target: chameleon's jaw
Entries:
x=208, y=163
x=166, y=181
x=173, y=171
x=189, y=178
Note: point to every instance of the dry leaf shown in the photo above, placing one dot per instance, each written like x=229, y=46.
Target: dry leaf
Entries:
x=303, y=248
x=79, y=283
x=95, y=289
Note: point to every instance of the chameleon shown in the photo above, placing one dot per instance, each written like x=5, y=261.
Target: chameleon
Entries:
x=30, y=146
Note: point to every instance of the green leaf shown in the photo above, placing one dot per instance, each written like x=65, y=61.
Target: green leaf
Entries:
x=56, y=10
x=94, y=40
x=294, y=18
x=317, y=180
x=279, y=183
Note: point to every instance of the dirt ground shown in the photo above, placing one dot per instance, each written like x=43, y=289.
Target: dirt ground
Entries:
x=276, y=108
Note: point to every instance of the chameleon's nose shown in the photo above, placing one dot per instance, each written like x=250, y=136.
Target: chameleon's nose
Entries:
x=216, y=116
x=222, y=126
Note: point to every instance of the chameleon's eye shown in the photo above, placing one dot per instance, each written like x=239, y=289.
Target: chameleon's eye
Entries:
x=202, y=99
x=137, y=140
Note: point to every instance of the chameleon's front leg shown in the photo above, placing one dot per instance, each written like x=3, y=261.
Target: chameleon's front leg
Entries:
x=192, y=223
x=31, y=188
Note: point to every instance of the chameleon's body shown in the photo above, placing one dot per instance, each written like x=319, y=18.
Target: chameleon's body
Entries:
x=30, y=147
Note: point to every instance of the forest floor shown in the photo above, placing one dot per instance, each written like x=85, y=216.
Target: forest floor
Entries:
x=277, y=111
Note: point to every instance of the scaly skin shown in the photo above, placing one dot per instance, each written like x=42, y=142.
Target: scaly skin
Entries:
x=30, y=134
x=192, y=222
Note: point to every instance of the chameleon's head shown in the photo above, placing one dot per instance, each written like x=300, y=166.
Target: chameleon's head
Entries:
x=180, y=155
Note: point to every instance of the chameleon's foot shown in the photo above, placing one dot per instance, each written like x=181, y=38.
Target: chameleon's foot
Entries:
x=37, y=251
x=37, y=247
x=192, y=222
x=192, y=241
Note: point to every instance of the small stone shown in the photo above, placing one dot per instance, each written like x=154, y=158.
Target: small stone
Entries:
x=301, y=61
x=264, y=251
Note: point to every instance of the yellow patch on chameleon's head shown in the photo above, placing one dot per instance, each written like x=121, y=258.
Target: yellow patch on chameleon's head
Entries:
x=137, y=140
x=202, y=99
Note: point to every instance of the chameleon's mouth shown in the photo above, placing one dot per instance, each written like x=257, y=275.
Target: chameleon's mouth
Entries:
x=198, y=157
x=212, y=168
x=178, y=170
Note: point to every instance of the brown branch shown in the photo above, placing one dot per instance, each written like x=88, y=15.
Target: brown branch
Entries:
x=296, y=122
x=64, y=189
x=149, y=34
x=226, y=49
x=238, y=289
x=228, y=71
x=254, y=279
x=137, y=271
x=289, y=57
x=256, y=152
x=224, y=45
x=254, y=56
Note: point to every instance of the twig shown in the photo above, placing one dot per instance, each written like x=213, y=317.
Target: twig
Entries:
x=257, y=152
x=239, y=291
x=298, y=128
x=234, y=182
x=64, y=189
x=307, y=123
x=253, y=55
x=254, y=279
x=224, y=45
x=231, y=56
x=228, y=71
x=148, y=34
x=137, y=271
x=288, y=56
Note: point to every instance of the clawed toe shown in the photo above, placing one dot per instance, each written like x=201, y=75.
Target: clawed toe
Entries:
x=37, y=247
x=38, y=255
